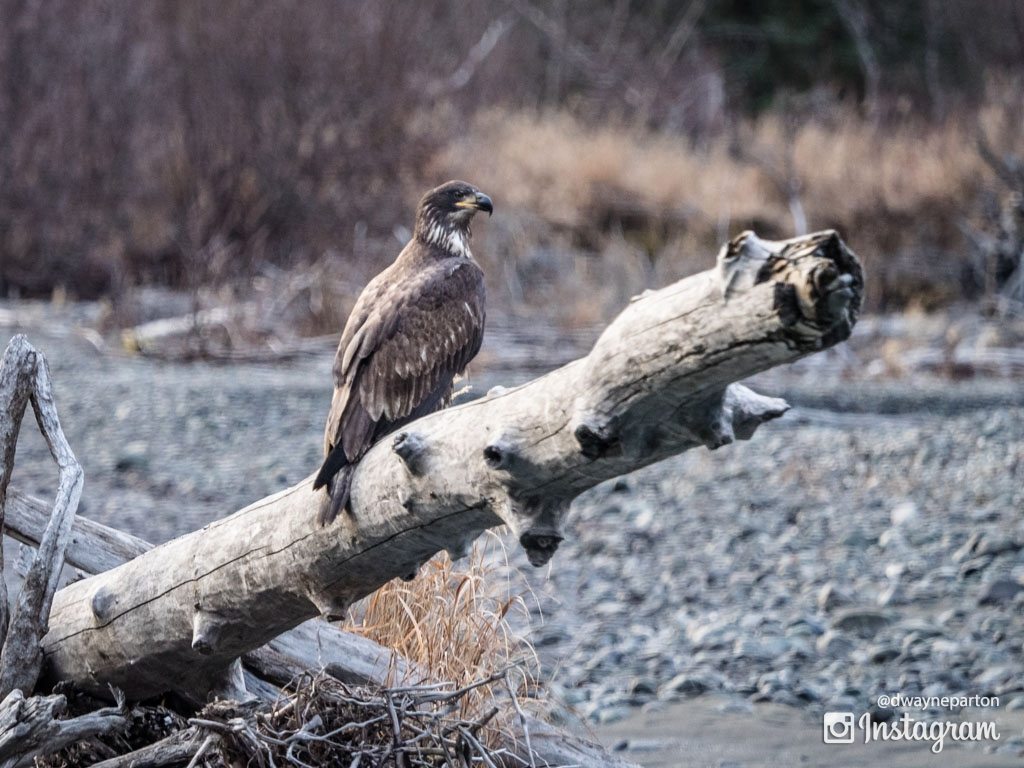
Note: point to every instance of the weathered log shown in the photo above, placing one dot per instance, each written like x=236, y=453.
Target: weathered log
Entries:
x=92, y=548
x=33, y=727
x=24, y=376
x=315, y=644
x=312, y=645
x=175, y=749
x=659, y=381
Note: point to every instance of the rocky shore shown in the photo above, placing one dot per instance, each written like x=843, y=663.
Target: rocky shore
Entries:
x=870, y=542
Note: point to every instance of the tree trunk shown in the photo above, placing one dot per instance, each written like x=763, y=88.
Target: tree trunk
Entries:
x=659, y=381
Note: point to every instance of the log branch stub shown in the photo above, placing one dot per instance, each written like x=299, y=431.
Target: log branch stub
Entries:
x=102, y=603
x=412, y=450
x=595, y=439
x=329, y=606
x=230, y=685
x=538, y=522
x=207, y=629
x=459, y=547
x=660, y=380
x=503, y=452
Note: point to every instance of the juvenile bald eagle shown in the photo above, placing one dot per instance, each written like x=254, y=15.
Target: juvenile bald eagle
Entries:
x=415, y=326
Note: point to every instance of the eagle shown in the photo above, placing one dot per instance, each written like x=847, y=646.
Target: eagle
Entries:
x=415, y=327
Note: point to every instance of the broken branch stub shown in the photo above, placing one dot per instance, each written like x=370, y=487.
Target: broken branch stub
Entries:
x=660, y=380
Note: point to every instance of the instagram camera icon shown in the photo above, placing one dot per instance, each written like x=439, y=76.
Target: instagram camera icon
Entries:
x=838, y=727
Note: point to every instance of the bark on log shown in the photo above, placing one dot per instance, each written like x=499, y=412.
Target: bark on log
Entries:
x=659, y=381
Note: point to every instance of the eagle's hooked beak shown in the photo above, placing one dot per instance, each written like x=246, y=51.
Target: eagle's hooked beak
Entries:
x=478, y=201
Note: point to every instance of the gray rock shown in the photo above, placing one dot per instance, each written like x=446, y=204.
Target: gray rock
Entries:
x=133, y=457
x=604, y=715
x=711, y=635
x=974, y=566
x=881, y=653
x=830, y=597
x=785, y=697
x=1015, y=704
x=892, y=538
x=894, y=594
x=684, y=685
x=904, y=513
x=978, y=545
x=858, y=539
x=833, y=644
x=865, y=622
x=735, y=706
x=1000, y=591
x=642, y=687
x=760, y=648
x=806, y=626
x=993, y=677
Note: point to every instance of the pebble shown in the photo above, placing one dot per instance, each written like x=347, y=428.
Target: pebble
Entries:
x=760, y=649
x=904, y=513
x=684, y=685
x=830, y=597
x=1015, y=704
x=999, y=591
x=865, y=622
x=834, y=644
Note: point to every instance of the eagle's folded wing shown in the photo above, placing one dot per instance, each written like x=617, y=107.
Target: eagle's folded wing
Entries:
x=399, y=362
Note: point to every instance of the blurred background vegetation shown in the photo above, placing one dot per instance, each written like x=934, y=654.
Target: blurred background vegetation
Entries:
x=277, y=149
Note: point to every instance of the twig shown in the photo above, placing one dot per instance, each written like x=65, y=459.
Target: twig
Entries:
x=207, y=743
x=522, y=721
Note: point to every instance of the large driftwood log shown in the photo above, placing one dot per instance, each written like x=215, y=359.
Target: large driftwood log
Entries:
x=315, y=644
x=312, y=645
x=659, y=381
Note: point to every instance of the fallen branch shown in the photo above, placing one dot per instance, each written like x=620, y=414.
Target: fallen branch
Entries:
x=171, y=750
x=34, y=727
x=24, y=377
x=659, y=381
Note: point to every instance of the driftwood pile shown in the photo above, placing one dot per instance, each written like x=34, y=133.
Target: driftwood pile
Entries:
x=231, y=612
x=318, y=721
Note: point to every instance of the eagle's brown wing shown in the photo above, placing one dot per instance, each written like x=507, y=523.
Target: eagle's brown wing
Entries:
x=404, y=343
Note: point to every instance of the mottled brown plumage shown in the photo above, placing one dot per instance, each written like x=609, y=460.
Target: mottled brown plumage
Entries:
x=415, y=326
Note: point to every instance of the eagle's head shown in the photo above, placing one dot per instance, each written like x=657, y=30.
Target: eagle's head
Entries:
x=445, y=214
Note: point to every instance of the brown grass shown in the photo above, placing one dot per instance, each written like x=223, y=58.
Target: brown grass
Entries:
x=648, y=207
x=456, y=620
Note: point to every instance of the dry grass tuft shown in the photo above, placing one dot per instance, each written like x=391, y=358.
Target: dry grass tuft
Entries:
x=647, y=207
x=457, y=621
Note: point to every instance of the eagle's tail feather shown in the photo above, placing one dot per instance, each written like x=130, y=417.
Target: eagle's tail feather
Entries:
x=336, y=474
x=337, y=495
x=336, y=459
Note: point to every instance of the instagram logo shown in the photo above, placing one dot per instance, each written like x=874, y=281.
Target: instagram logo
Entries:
x=837, y=727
